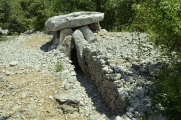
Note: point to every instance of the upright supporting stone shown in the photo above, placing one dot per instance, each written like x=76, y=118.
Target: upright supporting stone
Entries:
x=95, y=27
x=63, y=33
x=68, y=44
x=80, y=43
x=55, y=40
x=58, y=38
x=89, y=36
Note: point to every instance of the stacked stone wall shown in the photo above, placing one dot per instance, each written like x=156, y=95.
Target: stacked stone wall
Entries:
x=100, y=72
x=127, y=90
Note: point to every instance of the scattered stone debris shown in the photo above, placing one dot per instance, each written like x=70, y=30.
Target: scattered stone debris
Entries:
x=27, y=89
x=32, y=89
x=13, y=63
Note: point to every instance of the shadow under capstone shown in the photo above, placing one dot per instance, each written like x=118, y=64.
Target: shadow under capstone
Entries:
x=45, y=47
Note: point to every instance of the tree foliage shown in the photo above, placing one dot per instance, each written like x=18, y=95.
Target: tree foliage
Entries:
x=168, y=92
x=162, y=20
x=118, y=13
x=21, y=15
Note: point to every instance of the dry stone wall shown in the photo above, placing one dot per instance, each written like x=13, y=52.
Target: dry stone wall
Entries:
x=123, y=81
x=120, y=70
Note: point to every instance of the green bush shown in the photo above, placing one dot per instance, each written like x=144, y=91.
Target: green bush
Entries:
x=21, y=15
x=3, y=38
x=58, y=67
x=162, y=20
x=168, y=92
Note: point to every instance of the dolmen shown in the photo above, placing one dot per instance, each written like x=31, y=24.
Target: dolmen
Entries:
x=65, y=25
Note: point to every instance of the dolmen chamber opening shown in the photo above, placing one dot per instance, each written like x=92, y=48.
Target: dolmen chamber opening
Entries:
x=65, y=25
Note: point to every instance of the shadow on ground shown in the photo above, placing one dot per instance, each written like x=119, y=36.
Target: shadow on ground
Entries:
x=5, y=117
x=45, y=47
x=94, y=94
x=90, y=87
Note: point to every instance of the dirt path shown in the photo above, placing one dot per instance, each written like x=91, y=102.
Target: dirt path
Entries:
x=27, y=93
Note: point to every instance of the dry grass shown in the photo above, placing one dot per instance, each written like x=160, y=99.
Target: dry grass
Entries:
x=36, y=41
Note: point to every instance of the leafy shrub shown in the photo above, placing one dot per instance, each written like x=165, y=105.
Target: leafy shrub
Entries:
x=21, y=15
x=58, y=67
x=168, y=92
x=162, y=20
x=3, y=38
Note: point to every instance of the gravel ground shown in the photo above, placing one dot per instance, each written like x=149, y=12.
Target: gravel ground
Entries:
x=29, y=82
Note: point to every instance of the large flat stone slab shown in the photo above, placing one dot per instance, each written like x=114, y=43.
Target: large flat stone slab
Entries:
x=71, y=20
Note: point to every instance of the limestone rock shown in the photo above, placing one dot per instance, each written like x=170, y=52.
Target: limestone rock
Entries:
x=58, y=37
x=69, y=102
x=96, y=117
x=24, y=94
x=67, y=98
x=3, y=31
x=71, y=20
x=89, y=36
x=16, y=107
x=142, y=108
x=68, y=109
x=80, y=43
x=13, y=63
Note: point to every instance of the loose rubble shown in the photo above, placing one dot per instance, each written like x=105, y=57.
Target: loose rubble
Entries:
x=29, y=83
x=121, y=73
x=116, y=85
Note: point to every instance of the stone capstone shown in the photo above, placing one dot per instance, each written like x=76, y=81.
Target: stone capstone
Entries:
x=72, y=20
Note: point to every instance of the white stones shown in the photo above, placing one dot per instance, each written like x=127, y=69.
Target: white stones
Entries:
x=50, y=97
x=70, y=97
x=127, y=78
x=106, y=69
x=16, y=107
x=136, y=114
x=123, y=94
x=24, y=94
x=13, y=63
x=131, y=110
x=72, y=20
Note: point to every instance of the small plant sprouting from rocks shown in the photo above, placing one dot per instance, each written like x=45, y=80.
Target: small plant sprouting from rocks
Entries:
x=3, y=37
x=58, y=67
